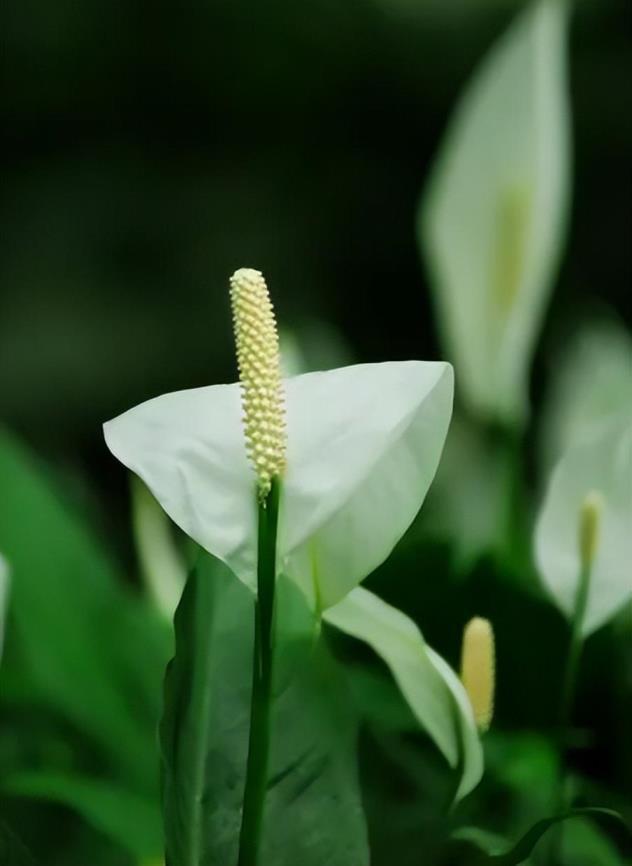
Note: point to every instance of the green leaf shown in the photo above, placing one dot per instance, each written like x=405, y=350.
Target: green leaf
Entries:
x=603, y=463
x=66, y=608
x=431, y=688
x=493, y=221
x=131, y=821
x=520, y=852
x=313, y=813
x=363, y=446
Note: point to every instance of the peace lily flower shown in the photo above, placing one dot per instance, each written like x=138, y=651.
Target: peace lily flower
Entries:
x=493, y=221
x=353, y=452
x=591, y=379
x=357, y=448
x=583, y=540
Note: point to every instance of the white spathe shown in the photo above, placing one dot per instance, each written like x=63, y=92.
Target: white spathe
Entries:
x=433, y=691
x=493, y=220
x=590, y=380
x=601, y=463
x=364, y=443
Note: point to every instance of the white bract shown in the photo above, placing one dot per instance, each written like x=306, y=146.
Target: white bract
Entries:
x=432, y=689
x=591, y=381
x=363, y=444
x=493, y=221
x=601, y=465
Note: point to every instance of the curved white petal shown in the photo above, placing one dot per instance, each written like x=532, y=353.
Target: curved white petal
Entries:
x=432, y=689
x=493, y=221
x=601, y=463
x=189, y=449
x=591, y=379
x=364, y=443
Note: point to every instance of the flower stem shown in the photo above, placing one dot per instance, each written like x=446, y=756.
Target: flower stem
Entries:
x=259, y=742
x=568, y=695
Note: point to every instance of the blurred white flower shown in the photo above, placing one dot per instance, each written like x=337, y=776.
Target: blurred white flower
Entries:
x=493, y=220
x=597, y=469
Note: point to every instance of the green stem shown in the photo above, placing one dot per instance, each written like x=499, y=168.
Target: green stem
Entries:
x=574, y=650
x=259, y=742
x=568, y=695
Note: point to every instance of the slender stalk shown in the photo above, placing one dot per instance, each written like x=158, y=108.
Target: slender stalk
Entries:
x=574, y=651
x=259, y=741
x=569, y=688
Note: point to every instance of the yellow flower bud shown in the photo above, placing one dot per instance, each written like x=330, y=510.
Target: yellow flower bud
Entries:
x=589, y=521
x=478, y=669
x=259, y=365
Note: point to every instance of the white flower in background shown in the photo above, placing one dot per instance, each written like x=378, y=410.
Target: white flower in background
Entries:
x=363, y=445
x=493, y=220
x=593, y=479
x=591, y=382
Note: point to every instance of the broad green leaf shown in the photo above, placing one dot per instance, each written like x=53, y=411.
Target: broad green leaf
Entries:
x=602, y=463
x=431, y=688
x=591, y=382
x=66, y=606
x=364, y=443
x=493, y=221
x=131, y=821
x=313, y=813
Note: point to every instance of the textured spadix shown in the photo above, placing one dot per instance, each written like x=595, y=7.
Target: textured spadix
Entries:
x=363, y=444
x=478, y=669
x=257, y=345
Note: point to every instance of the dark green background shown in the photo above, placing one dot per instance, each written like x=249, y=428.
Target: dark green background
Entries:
x=154, y=148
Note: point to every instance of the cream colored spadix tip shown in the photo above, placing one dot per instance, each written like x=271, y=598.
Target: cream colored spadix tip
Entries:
x=589, y=522
x=259, y=363
x=478, y=669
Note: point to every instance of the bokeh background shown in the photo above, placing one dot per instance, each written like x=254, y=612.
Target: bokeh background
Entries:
x=152, y=149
